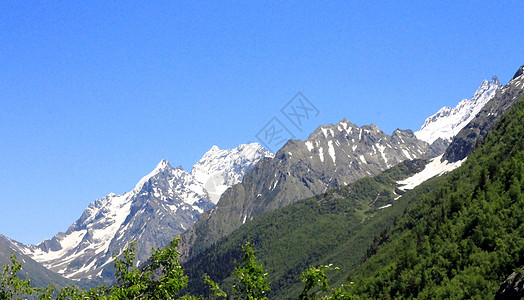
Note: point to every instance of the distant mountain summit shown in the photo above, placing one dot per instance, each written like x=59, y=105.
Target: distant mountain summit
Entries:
x=162, y=205
x=447, y=122
x=219, y=169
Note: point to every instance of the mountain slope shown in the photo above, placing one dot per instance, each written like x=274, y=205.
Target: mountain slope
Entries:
x=335, y=227
x=333, y=155
x=39, y=276
x=447, y=122
x=463, y=238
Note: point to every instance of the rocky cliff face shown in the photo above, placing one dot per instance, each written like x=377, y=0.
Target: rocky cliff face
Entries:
x=513, y=287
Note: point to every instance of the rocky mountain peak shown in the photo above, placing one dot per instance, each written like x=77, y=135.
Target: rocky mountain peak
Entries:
x=495, y=80
x=519, y=72
x=162, y=166
x=219, y=169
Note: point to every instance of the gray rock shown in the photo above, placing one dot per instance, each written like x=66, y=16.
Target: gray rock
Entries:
x=513, y=287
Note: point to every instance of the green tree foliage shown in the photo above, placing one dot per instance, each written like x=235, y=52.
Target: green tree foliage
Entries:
x=216, y=291
x=11, y=286
x=252, y=281
x=162, y=278
x=315, y=277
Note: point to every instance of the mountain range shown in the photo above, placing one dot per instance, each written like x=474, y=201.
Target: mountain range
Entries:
x=163, y=204
x=395, y=241
x=228, y=188
x=333, y=155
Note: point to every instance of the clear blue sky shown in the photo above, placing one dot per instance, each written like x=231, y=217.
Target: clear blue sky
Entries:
x=94, y=95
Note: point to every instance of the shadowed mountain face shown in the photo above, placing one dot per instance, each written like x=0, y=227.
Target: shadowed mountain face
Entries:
x=465, y=141
x=333, y=155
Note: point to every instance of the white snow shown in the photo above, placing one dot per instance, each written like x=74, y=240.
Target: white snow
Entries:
x=309, y=145
x=321, y=154
x=331, y=151
x=346, y=128
x=381, y=150
x=434, y=168
x=406, y=153
x=385, y=206
x=447, y=122
x=219, y=169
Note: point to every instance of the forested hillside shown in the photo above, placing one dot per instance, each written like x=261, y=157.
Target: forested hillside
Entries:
x=464, y=238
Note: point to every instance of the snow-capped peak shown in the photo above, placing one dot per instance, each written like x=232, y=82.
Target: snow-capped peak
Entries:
x=162, y=165
x=163, y=204
x=447, y=122
x=219, y=169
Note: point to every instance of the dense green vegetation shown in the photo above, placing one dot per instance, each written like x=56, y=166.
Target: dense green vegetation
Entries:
x=462, y=239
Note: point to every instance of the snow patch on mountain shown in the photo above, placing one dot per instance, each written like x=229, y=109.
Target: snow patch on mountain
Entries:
x=434, y=168
x=447, y=122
